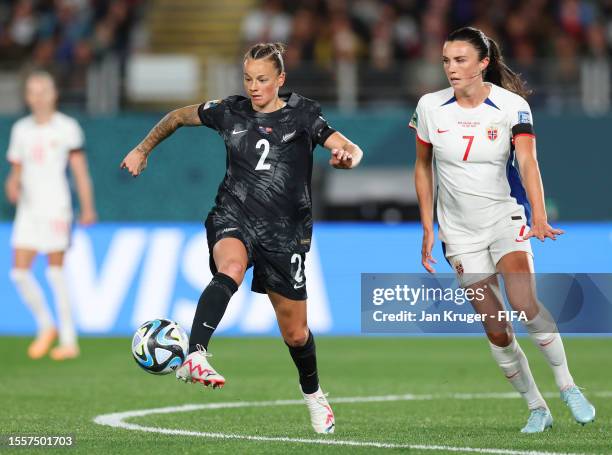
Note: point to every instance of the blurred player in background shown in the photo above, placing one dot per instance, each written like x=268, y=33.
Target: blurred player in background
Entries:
x=474, y=129
x=263, y=211
x=41, y=145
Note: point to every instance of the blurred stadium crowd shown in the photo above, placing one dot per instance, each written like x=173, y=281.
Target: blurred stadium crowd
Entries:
x=65, y=36
x=389, y=44
x=383, y=34
x=73, y=32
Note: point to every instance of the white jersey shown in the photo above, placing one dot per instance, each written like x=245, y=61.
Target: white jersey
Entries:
x=43, y=151
x=478, y=183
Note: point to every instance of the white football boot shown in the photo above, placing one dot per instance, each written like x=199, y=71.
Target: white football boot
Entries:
x=321, y=414
x=540, y=420
x=582, y=410
x=196, y=368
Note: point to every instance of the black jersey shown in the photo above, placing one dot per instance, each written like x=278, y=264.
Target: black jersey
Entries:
x=267, y=184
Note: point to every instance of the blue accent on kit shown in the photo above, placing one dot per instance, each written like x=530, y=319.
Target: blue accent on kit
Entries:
x=517, y=190
x=491, y=103
x=452, y=100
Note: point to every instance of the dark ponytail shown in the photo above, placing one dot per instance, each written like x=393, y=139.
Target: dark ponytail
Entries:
x=497, y=72
x=500, y=74
x=273, y=51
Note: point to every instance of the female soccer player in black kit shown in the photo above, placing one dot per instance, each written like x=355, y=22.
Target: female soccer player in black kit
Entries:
x=263, y=212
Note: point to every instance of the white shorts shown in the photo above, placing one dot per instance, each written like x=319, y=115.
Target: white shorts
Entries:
x=44, y=233
x=475, y=262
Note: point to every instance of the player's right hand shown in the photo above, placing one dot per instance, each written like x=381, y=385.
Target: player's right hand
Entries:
x=426, y=258
x=12, y=189
x=135, y=162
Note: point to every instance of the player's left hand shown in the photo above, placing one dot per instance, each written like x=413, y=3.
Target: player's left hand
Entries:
x=88, y=217
x=341, y=159
x=541, y=230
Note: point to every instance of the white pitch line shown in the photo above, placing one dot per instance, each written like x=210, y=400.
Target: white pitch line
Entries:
x=117, y=420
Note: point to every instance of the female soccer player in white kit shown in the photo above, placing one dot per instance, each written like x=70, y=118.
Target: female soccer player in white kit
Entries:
x=475, y=129
x=41, y=145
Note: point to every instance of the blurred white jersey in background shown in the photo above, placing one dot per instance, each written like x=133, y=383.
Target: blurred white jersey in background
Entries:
x=44, y=211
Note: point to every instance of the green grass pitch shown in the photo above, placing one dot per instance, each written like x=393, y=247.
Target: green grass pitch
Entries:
x=46, y=398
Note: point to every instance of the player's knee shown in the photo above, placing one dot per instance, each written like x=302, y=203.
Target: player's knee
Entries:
x=501, y=339
x=18, y=275
x=234, y=269
x=296, y=336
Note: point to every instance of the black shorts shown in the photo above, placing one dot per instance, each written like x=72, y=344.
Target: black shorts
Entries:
x=278, y=272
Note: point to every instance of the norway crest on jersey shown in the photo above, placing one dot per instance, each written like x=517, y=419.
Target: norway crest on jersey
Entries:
x=492, y=133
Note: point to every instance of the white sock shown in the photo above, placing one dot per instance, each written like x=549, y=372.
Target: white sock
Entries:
x=32, y=295
x=544, y=333
x=67, y=332
x=511, y=359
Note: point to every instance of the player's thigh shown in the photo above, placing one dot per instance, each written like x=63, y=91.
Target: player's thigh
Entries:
x=291, y=317
x=488, y=301
x=23, y=258
x=231, y=257
x=56, y=258
x=476, y=270
x=514, y=260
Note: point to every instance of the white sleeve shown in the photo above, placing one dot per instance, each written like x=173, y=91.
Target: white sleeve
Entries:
x=521, y=120
x=15, y=153
x=418, y=122
x=75, y=139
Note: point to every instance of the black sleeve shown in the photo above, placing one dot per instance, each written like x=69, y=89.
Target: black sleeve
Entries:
x=319, y=128
x=523, y=128
x=211, y=114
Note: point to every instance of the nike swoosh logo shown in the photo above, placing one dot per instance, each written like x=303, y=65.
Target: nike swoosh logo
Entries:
x=547, y=343
x=286, y=137
x=442, y=131
x=298, y=286
x=208, y=326
x=238, y=132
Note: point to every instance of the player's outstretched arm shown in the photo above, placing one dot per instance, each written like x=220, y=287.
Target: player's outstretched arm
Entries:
x=423, y=182
x=532, y=179
x=344, y=153
x=12, y=185
x=136, y=161
x=79, y=168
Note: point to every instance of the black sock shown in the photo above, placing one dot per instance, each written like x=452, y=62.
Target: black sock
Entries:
x=305, y=359
x=210, y=310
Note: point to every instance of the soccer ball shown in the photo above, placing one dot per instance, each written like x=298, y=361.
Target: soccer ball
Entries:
x=160, y=346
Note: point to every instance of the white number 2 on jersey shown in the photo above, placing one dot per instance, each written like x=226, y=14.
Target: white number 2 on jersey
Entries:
x=261, y=164
x=298, y=275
